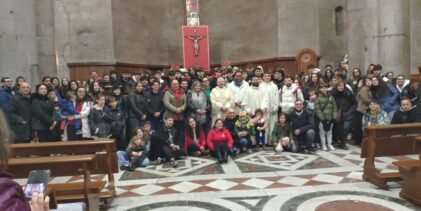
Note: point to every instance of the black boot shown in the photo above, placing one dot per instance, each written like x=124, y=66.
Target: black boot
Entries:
x=220, y=160
x=226, y=157
x=343, y=146
x=132, y=167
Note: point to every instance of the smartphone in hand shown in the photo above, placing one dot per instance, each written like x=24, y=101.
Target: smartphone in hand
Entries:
x=37, y=182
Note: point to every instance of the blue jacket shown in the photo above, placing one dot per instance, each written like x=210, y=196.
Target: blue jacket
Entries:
x=67, y=108
x=5, y=97
x=389, y=101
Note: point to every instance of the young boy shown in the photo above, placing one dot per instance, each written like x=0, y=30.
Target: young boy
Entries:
x=244, y=129
x=325, y=108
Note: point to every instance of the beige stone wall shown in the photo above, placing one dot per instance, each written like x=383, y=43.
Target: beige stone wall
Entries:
x=332, y=46
x=241, y=30
x=415, y=36
x=83, y=32
x=148, y=31
x=45, y=32
x=298, y=26
x=18, y=46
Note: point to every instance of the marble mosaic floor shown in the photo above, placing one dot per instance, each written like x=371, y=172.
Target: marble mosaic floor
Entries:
x=260, y=181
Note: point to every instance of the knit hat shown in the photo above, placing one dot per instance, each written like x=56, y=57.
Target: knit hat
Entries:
x=243, y=114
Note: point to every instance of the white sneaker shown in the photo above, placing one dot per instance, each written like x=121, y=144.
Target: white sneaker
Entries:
x=324, y=148
x=331, y=148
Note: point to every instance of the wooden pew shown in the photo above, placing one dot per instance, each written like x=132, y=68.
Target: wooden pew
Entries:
x=411, y=174
x=386, y=140
x=70, y=165
x=105, y=162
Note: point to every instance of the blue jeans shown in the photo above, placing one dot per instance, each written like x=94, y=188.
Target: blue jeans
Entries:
x=260, y=137
x=123, y=160
x=244, y=142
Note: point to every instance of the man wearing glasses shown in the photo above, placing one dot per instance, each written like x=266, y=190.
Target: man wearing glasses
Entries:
x=5, y=93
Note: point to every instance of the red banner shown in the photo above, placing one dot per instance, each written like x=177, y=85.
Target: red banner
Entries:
x=196, y=46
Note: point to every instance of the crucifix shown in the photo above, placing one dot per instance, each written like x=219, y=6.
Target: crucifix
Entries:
x=195, y=40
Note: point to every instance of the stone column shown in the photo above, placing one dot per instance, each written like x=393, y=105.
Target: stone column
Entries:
x=44, y=15
x=394, y=36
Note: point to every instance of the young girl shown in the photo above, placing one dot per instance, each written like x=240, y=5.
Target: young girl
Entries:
x=136, y=154
x=195, y=142
x=99, y=118
x=282, y=135
x=260, y=126
x=311, y=100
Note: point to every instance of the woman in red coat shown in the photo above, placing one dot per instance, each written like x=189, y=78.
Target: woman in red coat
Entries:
x=220, y=141
x=195, y=142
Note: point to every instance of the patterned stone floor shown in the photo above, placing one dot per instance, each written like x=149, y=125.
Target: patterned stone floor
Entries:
x=263, y=180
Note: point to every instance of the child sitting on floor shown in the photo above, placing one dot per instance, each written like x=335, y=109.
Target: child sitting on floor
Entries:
x=136, y=154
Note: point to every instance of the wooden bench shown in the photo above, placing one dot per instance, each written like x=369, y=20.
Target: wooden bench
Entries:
x=105, y=162
x=70, y=165
x=411, y=174
x=386, y=140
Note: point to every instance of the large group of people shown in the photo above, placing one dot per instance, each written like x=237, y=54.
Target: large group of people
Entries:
x=223, y=112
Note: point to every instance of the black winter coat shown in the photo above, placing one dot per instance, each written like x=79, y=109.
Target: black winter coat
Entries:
x=42, y=112
x=118, y=122
x=402, y=117
x=20, y=117
x=345, y=102
x=102, y=120
x=155, y=103
x=137, y=104
x=162, y=136
x=229, y=124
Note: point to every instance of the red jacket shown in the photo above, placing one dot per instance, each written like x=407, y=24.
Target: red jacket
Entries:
x=188, y=140
x=219, y=136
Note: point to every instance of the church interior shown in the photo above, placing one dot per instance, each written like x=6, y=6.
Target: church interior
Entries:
x=73, y=38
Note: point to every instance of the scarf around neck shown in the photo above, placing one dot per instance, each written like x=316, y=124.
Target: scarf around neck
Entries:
x=176, y=93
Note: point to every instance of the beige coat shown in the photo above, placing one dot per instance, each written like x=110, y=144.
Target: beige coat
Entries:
x=363, y=99
x=171, y=105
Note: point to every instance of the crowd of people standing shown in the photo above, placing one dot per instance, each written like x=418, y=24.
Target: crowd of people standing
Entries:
x=226, y=111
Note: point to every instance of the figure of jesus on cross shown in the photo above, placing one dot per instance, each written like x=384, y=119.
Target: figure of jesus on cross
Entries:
x=195, y=40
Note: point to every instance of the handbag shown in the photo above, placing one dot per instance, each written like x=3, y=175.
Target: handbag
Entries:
x=326, y=126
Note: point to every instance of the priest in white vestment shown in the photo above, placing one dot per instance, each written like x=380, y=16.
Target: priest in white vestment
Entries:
x=222, y=99
x=271, y=90
x=238, y=88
